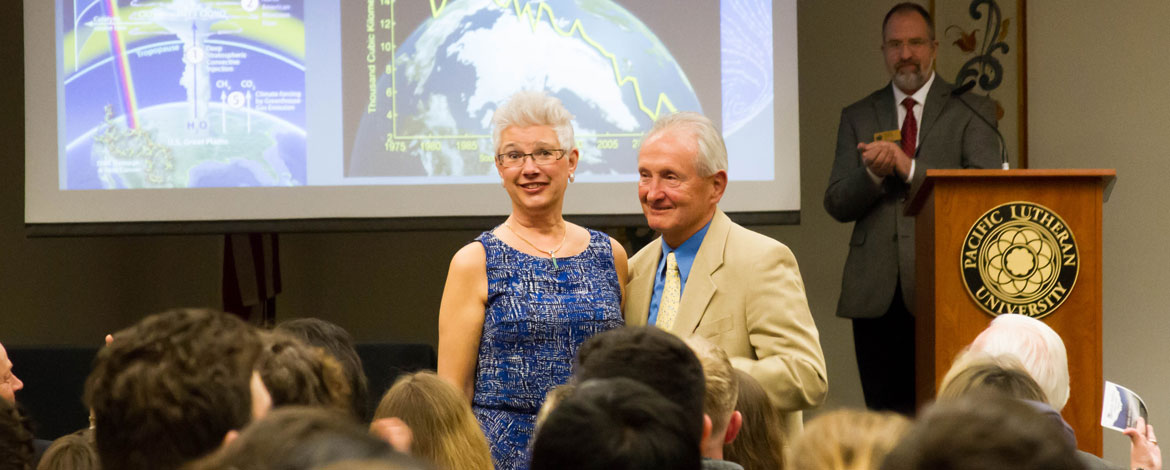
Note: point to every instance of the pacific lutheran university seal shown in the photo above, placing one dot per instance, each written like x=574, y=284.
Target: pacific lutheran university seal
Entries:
x=1019, y=257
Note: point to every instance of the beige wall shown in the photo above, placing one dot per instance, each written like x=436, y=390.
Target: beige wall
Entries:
x=1096, y=98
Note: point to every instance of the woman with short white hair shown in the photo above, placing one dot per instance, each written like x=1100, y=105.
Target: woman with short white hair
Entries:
x=522, y=297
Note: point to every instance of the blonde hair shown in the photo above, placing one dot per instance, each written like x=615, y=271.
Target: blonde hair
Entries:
x=977, y=372
x=721, y=388
x=760, y=442
x=848, y=440
x=446, y=433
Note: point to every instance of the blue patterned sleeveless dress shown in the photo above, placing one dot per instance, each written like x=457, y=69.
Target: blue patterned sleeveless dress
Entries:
x=536, y=318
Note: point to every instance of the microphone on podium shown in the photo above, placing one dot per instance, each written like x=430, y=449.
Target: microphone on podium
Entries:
x=957, y=94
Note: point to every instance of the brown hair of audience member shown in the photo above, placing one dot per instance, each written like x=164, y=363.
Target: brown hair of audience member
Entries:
x=977, y=373
x=983, y=431
x=339, y=344
x=446, y=433
x=75, y=451
x=650, y=356
x=169, y=388
x=298, y=437
x=848, y=440
x=617, y=423
x=721, y=389
x=298, y=374
x=16, y=441
x=760, y=443
x=551, y=399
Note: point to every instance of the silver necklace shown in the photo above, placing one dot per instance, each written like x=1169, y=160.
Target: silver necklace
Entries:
x=551, y=253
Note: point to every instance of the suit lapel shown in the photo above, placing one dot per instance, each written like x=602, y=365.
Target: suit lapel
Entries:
x=884, y=111
x=700, y=285
x=935, y=102
x=640, y=288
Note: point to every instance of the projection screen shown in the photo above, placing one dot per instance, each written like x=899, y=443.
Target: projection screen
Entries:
x=271, y=110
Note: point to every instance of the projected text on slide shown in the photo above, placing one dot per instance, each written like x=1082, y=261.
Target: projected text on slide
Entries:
x=182, y=93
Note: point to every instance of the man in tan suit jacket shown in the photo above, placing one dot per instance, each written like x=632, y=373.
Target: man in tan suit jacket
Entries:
x=739, y=289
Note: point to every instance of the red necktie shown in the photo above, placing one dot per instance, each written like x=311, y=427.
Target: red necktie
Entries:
x=909, y=128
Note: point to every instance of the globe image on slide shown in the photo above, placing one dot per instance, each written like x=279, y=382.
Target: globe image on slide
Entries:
x=164, y=154
x=182, y=94
x=459, y=65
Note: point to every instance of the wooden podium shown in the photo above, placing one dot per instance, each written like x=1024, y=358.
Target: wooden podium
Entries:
x=949, y=205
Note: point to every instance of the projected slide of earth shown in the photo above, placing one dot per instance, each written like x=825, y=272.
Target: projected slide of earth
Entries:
x=433, y=94
x=183, y=93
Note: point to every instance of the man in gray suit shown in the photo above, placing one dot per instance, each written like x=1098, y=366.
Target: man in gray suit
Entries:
x=871, y=179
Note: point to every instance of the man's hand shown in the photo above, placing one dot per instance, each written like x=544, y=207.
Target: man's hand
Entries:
x=885, y=157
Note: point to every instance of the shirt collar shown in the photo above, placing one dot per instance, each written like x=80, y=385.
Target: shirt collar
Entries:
x=685, y=254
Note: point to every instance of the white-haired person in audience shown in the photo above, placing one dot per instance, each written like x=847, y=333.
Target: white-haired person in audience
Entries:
x=979, y=374
x=719, y=396
x=1037, y=346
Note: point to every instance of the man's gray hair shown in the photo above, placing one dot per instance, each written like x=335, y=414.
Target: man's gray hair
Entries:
x=712, y=151
x=1036, y=345
x=534, y=108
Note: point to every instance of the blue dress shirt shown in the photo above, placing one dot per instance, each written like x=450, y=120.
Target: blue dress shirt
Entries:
x=685, y=256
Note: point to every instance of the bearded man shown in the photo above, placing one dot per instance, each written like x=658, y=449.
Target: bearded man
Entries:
x=885, y=144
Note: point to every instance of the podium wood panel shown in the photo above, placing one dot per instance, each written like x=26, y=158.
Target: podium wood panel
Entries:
x=947, y=205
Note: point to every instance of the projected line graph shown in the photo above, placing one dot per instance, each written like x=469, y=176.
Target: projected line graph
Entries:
x=543, y=9
x=533, y=17
x=437, y=77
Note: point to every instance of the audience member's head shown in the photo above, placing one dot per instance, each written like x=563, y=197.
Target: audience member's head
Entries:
x=616, y=424
x=1036, y=345
x=977, y=374
x=553, y=398
x=445, y=432
x=16, y=442
x=298, y=438
x=338, y=343
x=760, y=443
x=848, y=440
x=721, y=391
x=298, y=374
x=653, y=357
x=9, y=383
x=170, y=388
x=985, y=432
x=974, y=372
x=75, y=451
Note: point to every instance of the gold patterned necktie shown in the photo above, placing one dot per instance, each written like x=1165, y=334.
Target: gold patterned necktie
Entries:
x=671, y=292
